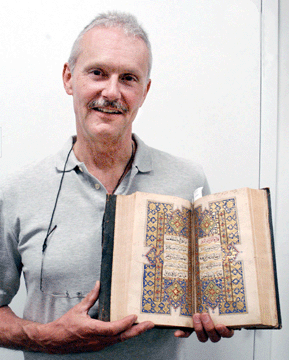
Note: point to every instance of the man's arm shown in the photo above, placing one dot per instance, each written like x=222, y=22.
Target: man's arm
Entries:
x=74, y=332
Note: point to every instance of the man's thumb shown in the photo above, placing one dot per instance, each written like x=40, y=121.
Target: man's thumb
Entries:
x=91, y=297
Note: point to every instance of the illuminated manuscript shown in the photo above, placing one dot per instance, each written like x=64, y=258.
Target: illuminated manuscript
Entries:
x=173, y=258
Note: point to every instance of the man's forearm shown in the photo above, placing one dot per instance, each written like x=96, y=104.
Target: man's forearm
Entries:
x=73, y=332
x=12, y=331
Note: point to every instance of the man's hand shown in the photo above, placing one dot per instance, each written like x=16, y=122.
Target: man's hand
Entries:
x=205, y=329
x=76, y=331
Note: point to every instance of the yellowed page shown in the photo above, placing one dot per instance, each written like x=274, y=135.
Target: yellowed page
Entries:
x=121, y=266
x=227, y=278
x=264, y=263
x=159, y=280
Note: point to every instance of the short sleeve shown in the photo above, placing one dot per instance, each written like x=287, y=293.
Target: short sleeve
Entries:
x=10, y=260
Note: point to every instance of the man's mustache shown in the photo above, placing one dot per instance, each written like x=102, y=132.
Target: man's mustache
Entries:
x=103, y=103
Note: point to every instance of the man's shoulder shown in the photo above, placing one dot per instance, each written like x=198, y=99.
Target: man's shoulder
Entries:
x=164, y=173
x=174, y=160
x=38, y=171
x=165, y=160
x=29, y=176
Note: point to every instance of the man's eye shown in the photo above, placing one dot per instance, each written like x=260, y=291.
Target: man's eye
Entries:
x=128, y=78
x=96, y=72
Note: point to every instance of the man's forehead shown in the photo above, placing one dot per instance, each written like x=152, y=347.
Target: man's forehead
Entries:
x=100, y=42
x=100, y=36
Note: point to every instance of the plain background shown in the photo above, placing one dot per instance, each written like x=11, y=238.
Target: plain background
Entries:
x=216, y=97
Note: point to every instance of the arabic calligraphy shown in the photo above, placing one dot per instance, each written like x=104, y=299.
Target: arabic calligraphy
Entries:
x=210, y=257
x=175, y=257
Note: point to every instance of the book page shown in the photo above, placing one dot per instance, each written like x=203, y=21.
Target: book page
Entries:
x=121, y=265
x=227, y=283
x=160, y=285
x=264, y=260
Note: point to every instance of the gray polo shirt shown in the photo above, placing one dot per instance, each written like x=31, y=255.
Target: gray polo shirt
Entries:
x=73, y=255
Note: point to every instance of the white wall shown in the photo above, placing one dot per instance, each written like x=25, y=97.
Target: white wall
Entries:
x=204, y=104
x=206, y=67
x=280, y=344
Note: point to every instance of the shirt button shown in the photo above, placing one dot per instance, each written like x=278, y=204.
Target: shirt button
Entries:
x=97, y=186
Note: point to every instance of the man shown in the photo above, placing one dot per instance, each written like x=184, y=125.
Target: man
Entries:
x=51, y=214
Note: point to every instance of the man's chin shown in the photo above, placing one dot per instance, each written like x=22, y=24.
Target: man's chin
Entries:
x=109, y=132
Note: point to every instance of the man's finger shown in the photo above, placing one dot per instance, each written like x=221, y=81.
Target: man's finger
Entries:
x=112, y=328
x=90, y=298
x=205, y=328
x=209, y=328
x=182, y=333
x=199, y=329
x=224, y=331
x=136, y=330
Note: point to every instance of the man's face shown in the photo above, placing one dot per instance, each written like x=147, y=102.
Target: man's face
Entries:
x=109, y=84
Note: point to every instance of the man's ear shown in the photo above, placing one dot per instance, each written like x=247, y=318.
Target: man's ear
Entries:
x=146, y=91
x=67, y=79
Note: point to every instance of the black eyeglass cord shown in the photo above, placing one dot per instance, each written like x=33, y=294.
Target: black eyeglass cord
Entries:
x=49, y=230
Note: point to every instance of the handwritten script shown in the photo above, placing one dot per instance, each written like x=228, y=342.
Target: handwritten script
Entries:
x=175, y=257
x=210, y=257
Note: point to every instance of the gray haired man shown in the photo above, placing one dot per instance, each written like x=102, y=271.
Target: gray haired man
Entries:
x=51, y=213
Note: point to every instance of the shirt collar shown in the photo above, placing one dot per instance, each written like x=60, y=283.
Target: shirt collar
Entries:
x=142, y=160
x=72, y=162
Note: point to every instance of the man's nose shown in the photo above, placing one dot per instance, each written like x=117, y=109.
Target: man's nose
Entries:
x=111, y=90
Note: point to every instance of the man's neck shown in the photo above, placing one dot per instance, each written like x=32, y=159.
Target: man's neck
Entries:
x=106, y=161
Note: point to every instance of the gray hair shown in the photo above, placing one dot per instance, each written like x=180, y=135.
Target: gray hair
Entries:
x=112, y=19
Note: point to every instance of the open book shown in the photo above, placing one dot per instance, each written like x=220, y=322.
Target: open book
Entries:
x=165, y=258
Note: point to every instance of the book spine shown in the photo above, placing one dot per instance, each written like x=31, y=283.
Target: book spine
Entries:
x=107, y=256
